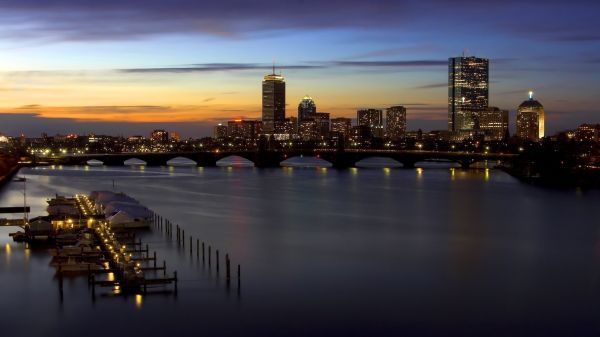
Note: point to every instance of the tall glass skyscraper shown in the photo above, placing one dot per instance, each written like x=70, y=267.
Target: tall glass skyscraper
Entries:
x=306, y=109
x=273, y=103
x=468, y=87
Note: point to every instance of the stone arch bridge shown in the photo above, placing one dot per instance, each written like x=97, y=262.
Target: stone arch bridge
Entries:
x=338, y=159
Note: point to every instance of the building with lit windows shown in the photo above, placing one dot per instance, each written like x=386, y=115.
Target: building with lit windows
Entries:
x=322, y=119
x=308, y=130
x=290, y=127
x=244, y=129
x=493, y=122
x=220, y=131
x=306, y=109
x=468, y=92
x=273, y=103
x=588, y=132
x=159, y=136
x=174, y=135
x=530, y=120
x=360, y=135
x=395, y=122
x=341, y=125
x=372, y=118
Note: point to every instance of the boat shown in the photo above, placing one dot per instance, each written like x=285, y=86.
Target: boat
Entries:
x=74, y=265
x=78, y=249
x=18, y=236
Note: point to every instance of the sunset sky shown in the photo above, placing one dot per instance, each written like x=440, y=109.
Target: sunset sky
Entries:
x=125, y=67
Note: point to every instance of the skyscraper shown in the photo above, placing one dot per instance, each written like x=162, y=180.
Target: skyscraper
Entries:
x=273, y=102
x=395, y=122
x=468, y=83
x=306, y=109
x=494, y=123
x=530, y=120
x=373, y=118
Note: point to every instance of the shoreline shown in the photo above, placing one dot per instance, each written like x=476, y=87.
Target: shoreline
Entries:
x=9, y=174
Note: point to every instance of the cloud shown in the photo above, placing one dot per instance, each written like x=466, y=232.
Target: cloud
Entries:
x=433, y=86
x=216, y=67
x=220, y=67
x=395, y=64
x=121, y=113
x=91, y=20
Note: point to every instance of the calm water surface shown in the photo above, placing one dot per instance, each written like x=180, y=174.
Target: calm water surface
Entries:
x=361, y=252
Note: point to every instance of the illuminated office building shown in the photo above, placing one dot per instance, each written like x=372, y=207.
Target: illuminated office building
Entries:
x=468, y=92
x=306, y=109
x=530, y=120
x=159, y=136
x=273, y=103
x=341, y=125
x=493, y=122
x=244, y=129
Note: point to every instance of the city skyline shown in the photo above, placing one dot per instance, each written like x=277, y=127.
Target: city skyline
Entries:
x=74, y=77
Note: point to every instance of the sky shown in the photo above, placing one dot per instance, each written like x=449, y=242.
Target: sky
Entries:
x=125, y=67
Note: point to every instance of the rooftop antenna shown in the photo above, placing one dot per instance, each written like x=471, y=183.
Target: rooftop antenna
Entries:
x=273, y=66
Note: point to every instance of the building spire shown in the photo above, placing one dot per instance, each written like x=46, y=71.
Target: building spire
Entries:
x=530, y=95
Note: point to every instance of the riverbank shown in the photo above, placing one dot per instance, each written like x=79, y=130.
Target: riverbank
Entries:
x=9, y=166
x=580, y=178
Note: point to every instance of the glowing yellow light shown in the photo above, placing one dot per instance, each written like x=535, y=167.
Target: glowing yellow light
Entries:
x=138, y=301
x=111, y=276
x=8, y=249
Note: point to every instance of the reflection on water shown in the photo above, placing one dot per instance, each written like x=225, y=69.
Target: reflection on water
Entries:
x=386, y=251
x=138, y=301
x=235, y=161
x=305, y=161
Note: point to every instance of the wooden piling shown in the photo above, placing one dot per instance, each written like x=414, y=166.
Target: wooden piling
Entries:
x=209, y=255
x=217, y=260
x=154, y=259
x=175, y=277
x=164, y=268
x=203, y=252
x=239, y=275
x=227, y=265
x=197, y=248
x=191, y=246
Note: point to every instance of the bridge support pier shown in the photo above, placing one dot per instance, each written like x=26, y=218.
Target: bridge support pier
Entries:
x=466, y=163
x=408, y=164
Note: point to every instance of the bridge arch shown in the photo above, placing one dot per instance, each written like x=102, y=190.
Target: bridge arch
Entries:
x=235, y=160
x=378, y=162
x=94, y=162
x=181, y=161
x=134, y=162
x=305, y=161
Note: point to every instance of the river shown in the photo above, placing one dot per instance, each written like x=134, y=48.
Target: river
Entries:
x=432, y=251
